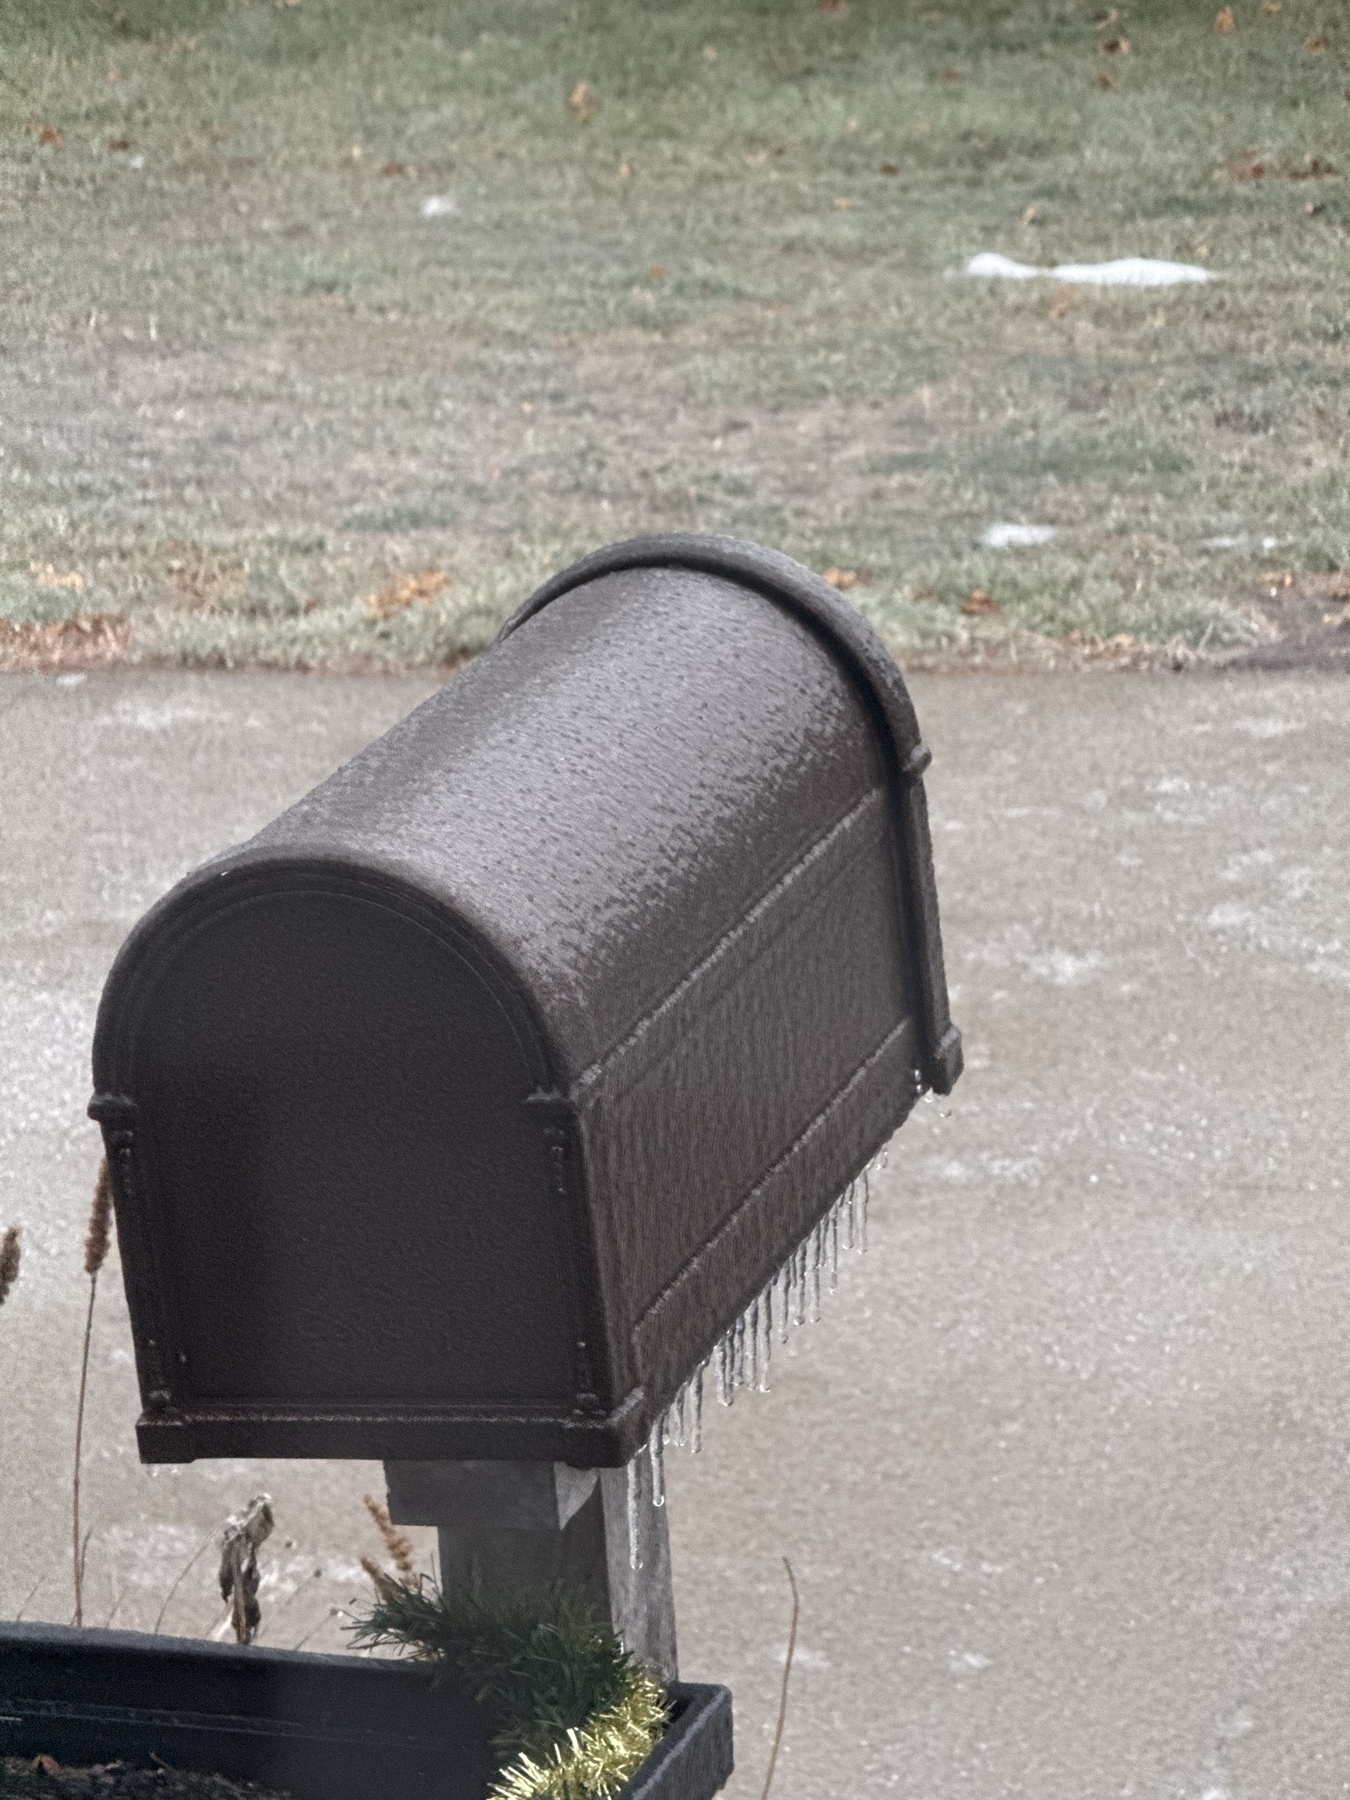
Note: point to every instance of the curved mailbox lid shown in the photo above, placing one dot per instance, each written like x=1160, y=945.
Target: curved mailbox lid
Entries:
x=811, y=599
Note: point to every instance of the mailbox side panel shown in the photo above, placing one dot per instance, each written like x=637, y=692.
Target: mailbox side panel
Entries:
x=729, y=1122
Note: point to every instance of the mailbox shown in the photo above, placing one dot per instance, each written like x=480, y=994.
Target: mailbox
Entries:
x=460, y=1112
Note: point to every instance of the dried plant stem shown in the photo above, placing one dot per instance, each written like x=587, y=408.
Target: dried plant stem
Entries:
x=787, y=1676
x=179, y=1578
x=76, y=1548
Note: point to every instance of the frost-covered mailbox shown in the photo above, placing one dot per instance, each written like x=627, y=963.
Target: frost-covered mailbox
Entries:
x=461, y=1112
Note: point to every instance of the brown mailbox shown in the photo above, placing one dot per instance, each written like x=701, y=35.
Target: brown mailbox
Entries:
x=460, y=1112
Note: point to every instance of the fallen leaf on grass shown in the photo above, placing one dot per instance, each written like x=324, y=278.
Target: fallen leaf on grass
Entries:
x=1316, y=45
x=950, y=75
x=398, y=168
x=1106, y=81
x=66, y=643
x=407, y=590
x=114, y=75
x=709, y=53
x=844, y=579
x=581, y=102
x=1312, y=168
x=843, y=202
x=1270, y=6
x=838, y=9
x=657, y=272
x=50, y=135
x=47, y=576
x=1104, y=21
x=1223, y=21
x=1117, y=46
x=119, y=143
x=980, y=602
x=1250, y=166
x=890, y=168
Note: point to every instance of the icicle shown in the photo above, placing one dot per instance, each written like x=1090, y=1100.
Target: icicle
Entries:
x=834, y=1246
x=681, y=1410
x=784, y=1280
x=738, y=1353
x=851, y=1216
x=754, y=1346
x=817, y=1259
x=634, y=1483
x=799, y=1310
x=725, y=1392
x=885, y=1157
x=766, y=1349
x=697, y=1437
x=867, y=1195
x=656, y=1451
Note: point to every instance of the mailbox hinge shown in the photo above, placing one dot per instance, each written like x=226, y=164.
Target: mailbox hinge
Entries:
x=116, y=1114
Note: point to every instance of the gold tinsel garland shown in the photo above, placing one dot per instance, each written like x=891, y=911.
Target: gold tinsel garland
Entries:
x=594, y=1762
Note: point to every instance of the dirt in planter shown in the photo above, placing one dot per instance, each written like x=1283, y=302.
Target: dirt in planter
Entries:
x=43, y=1778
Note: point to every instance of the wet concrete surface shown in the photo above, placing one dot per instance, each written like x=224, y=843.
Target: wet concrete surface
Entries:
x=1062, y=1471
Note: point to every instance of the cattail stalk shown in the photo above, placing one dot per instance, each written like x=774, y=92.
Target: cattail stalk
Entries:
x=400, y=1550
x=9, y=1261
x=95, y=1254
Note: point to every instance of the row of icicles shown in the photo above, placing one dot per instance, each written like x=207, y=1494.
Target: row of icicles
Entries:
x=740, y=1358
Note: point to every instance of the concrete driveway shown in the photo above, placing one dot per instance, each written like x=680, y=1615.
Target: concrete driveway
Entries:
x=1063, y=1470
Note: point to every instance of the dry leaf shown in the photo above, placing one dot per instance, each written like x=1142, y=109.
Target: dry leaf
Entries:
x=709, y=53
x=398, y=168
x=119, y=143
x=1106, y=81
x=890, y=168
x=46, y=576
x=1270, y=6
x=1104, y=21
x=844, y=579
x=980, y=602
x=1030, y=213
x=657, y=272
x=1223, y=21
x=581, y=102
x=406, y=591
x=114, y=75
x=50, y=135
x=838, y=9
x=281, y=5
x=950, y=75
x=1250, y=166
x=1119, y=46
x=1316, y=44
x=842, y=202
x=922, y=595
x=78, y=642
x=625, y=170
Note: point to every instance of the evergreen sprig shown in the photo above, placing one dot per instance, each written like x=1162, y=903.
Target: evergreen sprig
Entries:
x=537, y=1661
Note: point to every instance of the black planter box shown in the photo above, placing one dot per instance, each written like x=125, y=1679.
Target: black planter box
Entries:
x=317, y=1727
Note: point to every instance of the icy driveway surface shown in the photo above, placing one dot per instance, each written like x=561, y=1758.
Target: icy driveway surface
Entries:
x=1063, y=1469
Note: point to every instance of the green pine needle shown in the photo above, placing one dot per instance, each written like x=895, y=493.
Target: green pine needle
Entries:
x=536, y=1661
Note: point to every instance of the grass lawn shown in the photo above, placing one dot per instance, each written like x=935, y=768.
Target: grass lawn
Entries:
x=689, y=265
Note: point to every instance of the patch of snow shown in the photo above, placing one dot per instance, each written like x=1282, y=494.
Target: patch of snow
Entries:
x=1125, y=271
x=436, y=206
x=1015, y=537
